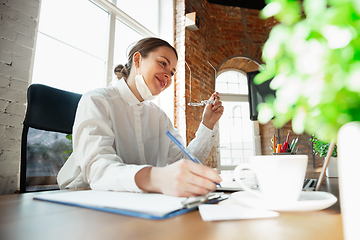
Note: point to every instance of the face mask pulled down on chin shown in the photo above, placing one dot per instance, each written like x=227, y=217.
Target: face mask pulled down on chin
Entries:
x=143, y=88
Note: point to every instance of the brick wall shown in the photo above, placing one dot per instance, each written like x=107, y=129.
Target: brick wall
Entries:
x=224, y=32
x=18, y=23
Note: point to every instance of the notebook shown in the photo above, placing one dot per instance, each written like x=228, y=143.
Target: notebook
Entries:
x=143, y=205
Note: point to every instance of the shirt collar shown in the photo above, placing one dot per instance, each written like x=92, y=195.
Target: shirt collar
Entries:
x=127, y=94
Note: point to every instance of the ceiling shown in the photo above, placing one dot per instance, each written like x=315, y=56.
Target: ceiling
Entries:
x=252, y=4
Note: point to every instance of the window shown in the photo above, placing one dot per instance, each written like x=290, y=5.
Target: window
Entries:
x=71, y=48
x=147, y=15
x=124, y=37
x=79, y=42
x=239, y=136
x=232, y=82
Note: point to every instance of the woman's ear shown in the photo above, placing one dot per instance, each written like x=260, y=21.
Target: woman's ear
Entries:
x=136, y=59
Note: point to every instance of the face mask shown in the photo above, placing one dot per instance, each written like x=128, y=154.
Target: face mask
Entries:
x=143, y=88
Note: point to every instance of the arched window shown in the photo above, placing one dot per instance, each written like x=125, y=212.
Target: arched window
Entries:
x=239, y=136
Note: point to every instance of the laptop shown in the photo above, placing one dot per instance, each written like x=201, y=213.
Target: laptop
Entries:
x=232, y=186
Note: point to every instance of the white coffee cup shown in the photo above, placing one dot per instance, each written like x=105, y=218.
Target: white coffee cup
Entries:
x=280, y=177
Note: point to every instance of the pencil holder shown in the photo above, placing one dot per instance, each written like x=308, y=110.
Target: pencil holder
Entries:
x=285, y=153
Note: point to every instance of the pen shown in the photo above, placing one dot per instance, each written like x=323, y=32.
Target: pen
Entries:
x=192, y=158
x=288, y=137
x=284, y=147
x=286, y=143
x=273, y=142
x=294, y=144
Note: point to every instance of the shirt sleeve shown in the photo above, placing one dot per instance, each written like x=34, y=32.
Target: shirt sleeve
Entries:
x=200, y=146
x=203, y=142
x=93, y=140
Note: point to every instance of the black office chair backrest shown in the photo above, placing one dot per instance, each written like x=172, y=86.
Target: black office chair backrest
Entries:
x=49, y=118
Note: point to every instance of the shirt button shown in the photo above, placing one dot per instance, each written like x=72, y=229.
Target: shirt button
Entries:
x=139, y=104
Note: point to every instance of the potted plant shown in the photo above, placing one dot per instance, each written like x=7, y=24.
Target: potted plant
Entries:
x=68, y=149
x=321, y=148
x=314, y=56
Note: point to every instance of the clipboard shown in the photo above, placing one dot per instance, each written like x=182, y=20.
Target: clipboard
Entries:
x=141, y=205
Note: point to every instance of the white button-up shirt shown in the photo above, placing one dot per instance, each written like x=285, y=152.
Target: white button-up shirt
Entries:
x=115, y=135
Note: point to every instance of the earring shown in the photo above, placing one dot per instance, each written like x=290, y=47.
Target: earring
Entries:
x=137, y=69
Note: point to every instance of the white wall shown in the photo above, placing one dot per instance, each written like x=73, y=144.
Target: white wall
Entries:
x=18, y=24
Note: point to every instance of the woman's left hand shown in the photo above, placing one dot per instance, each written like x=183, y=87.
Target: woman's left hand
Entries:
x=213, y=112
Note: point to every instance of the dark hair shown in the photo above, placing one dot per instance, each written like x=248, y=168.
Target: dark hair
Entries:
x=144, y=47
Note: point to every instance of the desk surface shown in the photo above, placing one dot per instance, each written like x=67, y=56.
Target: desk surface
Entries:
x=24, y=218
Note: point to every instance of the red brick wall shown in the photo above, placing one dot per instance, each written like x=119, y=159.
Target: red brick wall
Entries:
x=224, y=32
x=236, y=31
x=197, y=53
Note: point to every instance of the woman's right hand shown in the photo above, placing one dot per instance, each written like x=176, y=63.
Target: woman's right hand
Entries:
x=183, y=178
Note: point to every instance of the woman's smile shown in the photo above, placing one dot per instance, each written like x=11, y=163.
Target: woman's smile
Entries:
x=161, y=81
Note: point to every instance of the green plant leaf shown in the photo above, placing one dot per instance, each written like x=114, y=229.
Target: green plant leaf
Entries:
x=321, y=147
x=314, y=60
x=314, y=8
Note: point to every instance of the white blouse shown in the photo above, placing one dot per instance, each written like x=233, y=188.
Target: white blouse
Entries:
x=115, y=135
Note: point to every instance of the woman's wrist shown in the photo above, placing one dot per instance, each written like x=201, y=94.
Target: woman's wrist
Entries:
x=208, y=125
x=145, y=179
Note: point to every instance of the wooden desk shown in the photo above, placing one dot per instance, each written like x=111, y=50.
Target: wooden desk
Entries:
x=24, y=218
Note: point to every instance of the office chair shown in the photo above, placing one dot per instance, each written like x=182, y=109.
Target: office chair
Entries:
x=49, y=118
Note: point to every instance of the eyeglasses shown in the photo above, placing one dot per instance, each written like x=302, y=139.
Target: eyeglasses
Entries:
x=203, y=102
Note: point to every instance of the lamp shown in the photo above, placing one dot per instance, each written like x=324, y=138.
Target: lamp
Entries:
x=191, y=21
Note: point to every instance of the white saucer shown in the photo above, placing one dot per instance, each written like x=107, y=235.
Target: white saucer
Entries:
x=309, y=201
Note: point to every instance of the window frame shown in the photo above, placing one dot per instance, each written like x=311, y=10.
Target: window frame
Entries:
x=166, y=99
x=231, y=97
x=116, y=13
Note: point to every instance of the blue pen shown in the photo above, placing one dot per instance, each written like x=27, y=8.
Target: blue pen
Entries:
x=184, y=150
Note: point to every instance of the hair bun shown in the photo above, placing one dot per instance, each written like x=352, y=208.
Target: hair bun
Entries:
x=120, y=71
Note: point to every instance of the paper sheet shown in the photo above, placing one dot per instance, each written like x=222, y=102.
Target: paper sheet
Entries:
x=218, y=212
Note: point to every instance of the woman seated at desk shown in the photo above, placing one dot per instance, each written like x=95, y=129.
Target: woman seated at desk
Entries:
x=119, y=140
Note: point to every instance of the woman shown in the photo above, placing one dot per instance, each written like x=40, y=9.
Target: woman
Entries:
x=119, y=138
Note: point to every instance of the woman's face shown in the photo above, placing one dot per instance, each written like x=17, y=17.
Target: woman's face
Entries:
x=158, y=68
